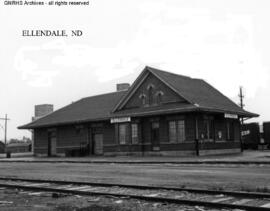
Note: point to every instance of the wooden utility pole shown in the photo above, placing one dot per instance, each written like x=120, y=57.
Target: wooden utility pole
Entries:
x=241, y=96
x=5, y=119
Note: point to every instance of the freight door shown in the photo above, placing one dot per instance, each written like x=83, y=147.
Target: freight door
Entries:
x=53, y=146
x=98, y=144
x=52, y=143
x=155, y=136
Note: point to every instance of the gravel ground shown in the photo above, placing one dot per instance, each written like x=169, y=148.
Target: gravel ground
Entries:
x=219, y=177
x=182, y=195
x=223, y=177
x=29, y=201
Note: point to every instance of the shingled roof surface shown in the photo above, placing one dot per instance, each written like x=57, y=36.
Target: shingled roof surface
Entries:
x=200, y=96
x=199, y=92
x=87, y=109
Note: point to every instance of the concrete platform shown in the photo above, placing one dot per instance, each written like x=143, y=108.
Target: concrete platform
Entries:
x=247, y=157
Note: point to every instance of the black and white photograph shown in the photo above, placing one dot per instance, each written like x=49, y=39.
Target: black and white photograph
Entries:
x=134, y=105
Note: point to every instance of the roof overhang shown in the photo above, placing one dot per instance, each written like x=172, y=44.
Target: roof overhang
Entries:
x=183, y=110
x=56, y=124
x=141, y=113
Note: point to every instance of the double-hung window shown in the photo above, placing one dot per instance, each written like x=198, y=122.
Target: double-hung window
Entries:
x=123, y=129
x=177, y=131
x=134, y=133
x=230, y=130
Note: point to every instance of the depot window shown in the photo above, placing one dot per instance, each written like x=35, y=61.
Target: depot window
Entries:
x=208, y=129
x=123, y=133
x=230, y=130
x=134, y=133
x=177, y=131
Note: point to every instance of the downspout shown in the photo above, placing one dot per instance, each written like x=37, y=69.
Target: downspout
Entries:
x=197, y=147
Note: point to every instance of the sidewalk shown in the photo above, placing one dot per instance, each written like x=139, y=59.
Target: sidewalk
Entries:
x=23, y=155
x=247, y=157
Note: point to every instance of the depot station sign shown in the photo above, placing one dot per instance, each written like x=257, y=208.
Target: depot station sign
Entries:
x=120, y=120
x=231, y=116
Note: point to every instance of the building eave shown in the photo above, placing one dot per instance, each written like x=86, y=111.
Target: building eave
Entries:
x=28, y=126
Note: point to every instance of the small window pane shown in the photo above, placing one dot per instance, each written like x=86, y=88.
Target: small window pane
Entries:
x=143, y=99
x=134, y=133
x=211, y=129
x=205, y=129
x=159, y=98
x=172, y=131
x=230, y=131
x=150, y=95
x=181, y=136
x=122, y=133
x=155, y=125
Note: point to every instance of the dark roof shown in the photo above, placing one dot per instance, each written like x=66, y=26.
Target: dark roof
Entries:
x=87, y=109
x=200, y=96
x=200, y=93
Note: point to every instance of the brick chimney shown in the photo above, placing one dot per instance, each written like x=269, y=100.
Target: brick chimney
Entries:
x=122, y=87
x=42, y=110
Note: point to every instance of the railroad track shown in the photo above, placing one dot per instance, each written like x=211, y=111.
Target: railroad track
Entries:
x=184, y=196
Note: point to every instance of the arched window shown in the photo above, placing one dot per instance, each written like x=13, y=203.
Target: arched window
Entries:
x=150, y=95
x=150, y=89
x=159, y=97
x=143, y=98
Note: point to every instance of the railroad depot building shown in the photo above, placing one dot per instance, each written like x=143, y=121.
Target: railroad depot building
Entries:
x=160, y=114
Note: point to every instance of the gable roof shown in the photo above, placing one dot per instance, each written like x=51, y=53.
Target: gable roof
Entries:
x=200, y=96
x=197, y=91
x=93, y=108
x=139, y=80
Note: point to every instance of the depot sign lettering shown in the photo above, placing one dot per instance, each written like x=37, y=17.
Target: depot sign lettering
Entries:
x=120, y=119
x=231, y=116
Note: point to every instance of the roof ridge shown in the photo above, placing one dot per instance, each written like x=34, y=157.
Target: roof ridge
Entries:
x=164, y=71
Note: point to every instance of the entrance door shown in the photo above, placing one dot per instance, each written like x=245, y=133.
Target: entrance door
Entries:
x=52, y=143
x=98, y=144
x=53, y=146
x=155, y=136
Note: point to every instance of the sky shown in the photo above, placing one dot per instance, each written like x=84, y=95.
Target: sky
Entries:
x=225, y=42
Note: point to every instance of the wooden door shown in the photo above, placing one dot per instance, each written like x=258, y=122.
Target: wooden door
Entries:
x=53, y=146
x=98, y=144
x=52, y=143
x=155, y=136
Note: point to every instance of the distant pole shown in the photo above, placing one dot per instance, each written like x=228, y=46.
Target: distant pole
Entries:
x=241, y=96
x=5, y=119
x=5, y=129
